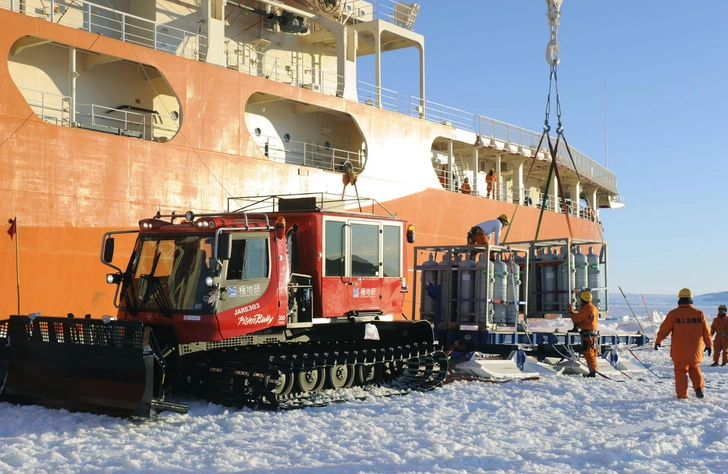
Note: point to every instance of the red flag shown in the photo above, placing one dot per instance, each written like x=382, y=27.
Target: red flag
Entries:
x=13, y=229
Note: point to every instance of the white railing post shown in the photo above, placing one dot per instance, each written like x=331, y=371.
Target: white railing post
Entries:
x=53, y=11
x=88, y=10
x=42, y=105
x=74, y=75
x=123, y=27
x=155, y=37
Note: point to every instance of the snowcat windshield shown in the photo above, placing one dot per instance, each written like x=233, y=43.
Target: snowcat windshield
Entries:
x=169, y=272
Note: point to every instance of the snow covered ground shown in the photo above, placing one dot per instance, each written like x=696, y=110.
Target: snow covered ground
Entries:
x=560, y=424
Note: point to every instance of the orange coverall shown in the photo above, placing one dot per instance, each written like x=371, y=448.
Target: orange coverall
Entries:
x=587, y=319
x=719, y=330
x=690, y=334
x=490, y=180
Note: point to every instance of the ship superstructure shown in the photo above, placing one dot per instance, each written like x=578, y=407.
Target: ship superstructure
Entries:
x=112, y=110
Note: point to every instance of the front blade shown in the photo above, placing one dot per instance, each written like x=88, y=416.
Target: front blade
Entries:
x=81, y=365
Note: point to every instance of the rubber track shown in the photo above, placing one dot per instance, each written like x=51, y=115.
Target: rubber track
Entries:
x=245, y=383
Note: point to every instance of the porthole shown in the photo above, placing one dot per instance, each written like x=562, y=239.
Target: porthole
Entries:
x=327, y=145
x=287, y=138
x=257, y=131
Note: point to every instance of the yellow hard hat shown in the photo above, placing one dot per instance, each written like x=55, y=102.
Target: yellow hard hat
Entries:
x=722, y=308
x=503, y=218
x=685, y=293
x=586, y=296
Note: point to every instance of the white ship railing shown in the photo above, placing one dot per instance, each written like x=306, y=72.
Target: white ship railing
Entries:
x=145, y=125
x=245, y=58
x=313, y=155
x=116, y=24
x=55, y=109
x=398, y=13
x=52, y=108
x=489, y=129
x=527, y=197
x=496, y=130
x=416, y=107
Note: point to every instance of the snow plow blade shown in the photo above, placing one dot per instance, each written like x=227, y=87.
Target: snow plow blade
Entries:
x=84, y=365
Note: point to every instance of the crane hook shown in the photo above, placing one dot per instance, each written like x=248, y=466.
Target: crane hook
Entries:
x=553, y=14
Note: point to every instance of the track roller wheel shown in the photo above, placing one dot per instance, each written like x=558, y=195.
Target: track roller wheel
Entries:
x=285, y=383
x=311, y=380
x=368, y=374
x=340, y=376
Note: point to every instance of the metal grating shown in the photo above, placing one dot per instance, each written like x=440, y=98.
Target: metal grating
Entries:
x=77, y=332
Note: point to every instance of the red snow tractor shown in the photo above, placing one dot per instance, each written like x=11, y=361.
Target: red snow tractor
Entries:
x=246, y=308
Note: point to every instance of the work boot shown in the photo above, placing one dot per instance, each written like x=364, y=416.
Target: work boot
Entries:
x=714, y=364
x=722, y=364
x=591, y=374
x=699, y=393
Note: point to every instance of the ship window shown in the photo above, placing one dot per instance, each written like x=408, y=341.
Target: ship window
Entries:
x=392, y=251
x=335, y=257
x=364, y=250
x=287, y=138
x=257, y=131
x=327, y=145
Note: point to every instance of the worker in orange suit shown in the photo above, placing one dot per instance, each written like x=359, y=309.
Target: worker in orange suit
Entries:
x=481, y=233
x=690, y=333
x=587, y=321
x=719, y=330
x=490, y=180
x=465, y=187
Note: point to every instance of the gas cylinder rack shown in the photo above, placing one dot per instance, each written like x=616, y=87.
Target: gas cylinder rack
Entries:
x=560, y=270
x=476, y=295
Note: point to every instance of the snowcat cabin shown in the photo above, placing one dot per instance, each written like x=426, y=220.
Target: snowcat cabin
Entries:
x=174, y=278
x=356, y=263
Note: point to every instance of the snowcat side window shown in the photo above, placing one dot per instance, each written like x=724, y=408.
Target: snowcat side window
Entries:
x=334, y=249
x=364, y=250
x=392, y=252
x=248, y=260
x=256, y=260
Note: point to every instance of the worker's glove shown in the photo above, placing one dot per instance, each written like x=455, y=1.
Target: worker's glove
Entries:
x=574, y=329
x=708, y=350
x=657, y=346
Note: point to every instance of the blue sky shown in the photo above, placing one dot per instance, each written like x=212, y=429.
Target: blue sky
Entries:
x=666, y=68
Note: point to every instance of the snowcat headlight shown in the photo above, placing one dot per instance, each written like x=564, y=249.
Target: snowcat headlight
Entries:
x=113, y=278
x=189, y=216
